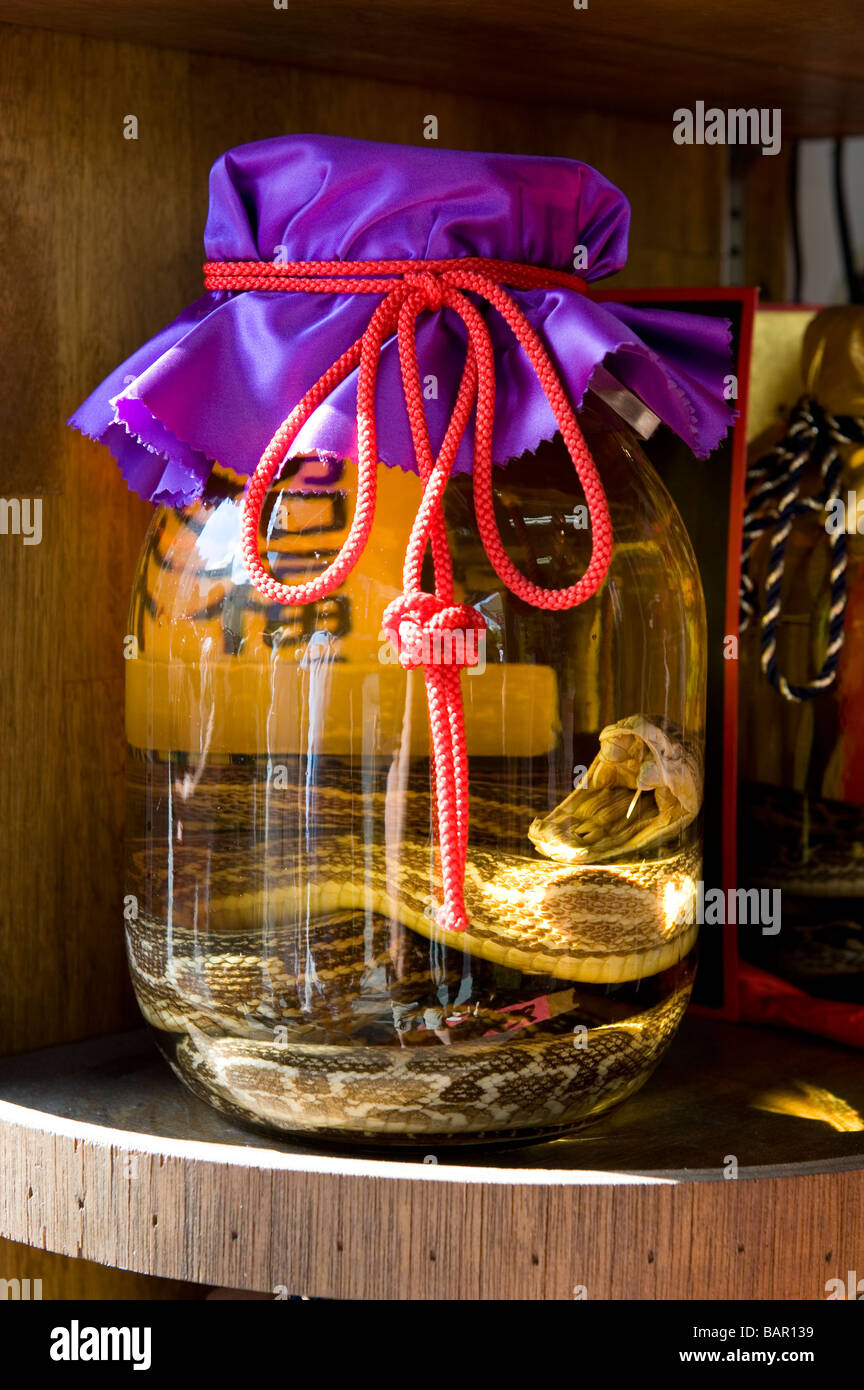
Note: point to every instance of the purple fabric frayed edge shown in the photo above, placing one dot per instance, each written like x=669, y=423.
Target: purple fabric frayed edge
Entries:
x=137, y=438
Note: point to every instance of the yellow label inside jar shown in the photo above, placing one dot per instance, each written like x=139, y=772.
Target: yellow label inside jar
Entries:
x=220, y=670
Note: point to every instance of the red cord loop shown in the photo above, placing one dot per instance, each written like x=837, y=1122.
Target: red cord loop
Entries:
x=427, y=630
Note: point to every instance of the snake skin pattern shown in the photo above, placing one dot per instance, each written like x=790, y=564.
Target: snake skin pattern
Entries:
x=310, y=1004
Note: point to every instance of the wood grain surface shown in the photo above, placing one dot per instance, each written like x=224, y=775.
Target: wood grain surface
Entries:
x=100, y=238
x=645, y=59
x=764, y=226
x=109, y=1158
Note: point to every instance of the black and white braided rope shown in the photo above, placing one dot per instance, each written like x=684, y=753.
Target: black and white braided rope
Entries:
x=774, y=503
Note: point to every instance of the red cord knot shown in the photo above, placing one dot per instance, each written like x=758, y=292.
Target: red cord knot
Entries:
x=428, y=286
x=427, y=632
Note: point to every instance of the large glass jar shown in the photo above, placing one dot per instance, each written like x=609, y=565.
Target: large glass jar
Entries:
x=282, y=870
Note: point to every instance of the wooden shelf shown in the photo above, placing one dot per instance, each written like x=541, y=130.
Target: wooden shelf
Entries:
x=107, y=1157
x=630, y=58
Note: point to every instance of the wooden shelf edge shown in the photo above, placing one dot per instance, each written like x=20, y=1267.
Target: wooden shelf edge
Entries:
x=346, y=1228
x=22, y=1120
x=250, y=1216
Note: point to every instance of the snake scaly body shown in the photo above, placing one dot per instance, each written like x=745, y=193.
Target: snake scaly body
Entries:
x=322, y=997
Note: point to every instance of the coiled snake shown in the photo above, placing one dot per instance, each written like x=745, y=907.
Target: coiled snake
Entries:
x=319, y=995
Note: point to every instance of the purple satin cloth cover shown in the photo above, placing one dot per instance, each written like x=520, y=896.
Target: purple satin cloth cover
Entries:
x=217, y=382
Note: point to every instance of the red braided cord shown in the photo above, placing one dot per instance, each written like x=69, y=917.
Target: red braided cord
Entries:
x=317, y=276
x=416, y=619
x=601, y=527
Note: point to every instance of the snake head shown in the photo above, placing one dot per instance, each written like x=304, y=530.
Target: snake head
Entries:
x=643, y=787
